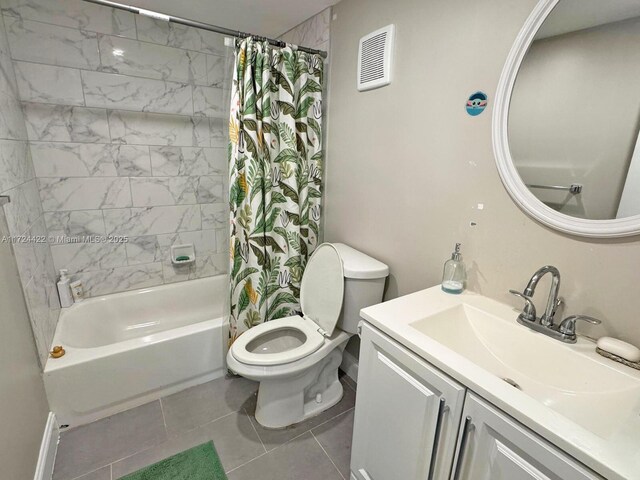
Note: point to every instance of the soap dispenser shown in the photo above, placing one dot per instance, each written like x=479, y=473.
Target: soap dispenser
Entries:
x=454, y=276
x=64, y=290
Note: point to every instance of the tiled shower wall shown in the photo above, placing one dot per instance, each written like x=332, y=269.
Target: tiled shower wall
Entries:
x=24, y=213
x=312, y=33
x=125, y=118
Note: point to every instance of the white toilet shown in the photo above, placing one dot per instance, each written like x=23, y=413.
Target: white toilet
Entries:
x=296, y=359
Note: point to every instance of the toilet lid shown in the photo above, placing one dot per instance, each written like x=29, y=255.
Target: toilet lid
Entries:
x=322, y=288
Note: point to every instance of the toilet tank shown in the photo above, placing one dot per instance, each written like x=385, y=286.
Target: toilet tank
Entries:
x=364, y=279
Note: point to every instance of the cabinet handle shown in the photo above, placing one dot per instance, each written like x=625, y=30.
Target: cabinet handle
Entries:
x=467, y=427
x=442, y=408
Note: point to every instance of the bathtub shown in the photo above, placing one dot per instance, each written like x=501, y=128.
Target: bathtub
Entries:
x=126, y=349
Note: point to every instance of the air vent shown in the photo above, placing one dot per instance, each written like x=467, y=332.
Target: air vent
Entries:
x=374, y=58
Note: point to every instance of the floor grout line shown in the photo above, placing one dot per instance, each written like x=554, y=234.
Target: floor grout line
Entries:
x=166, y=438
x=289, y=441
x=269, y=452
x=164, y=419
x=255, y=429
x=248, y=462
x=329, y=419
x=328, y=456
x=92, y=471
x=202, y=425
x=172, y=437
x=301, y=433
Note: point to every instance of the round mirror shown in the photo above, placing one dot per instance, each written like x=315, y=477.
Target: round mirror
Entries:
x=567, y=118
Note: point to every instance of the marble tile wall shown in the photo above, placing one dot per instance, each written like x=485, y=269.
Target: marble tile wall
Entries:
x=125, y=118
x=312, y=33
x=25, y=214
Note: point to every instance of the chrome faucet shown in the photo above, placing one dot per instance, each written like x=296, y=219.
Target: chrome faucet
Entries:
x=553, y=302
x=566, y=330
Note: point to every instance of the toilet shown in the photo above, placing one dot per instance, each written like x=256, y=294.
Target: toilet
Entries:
x=296, y=358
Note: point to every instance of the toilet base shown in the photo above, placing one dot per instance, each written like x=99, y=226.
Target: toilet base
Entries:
x=285, y=401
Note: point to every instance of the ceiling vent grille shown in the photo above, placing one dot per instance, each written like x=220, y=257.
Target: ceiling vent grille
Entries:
x=374, y=58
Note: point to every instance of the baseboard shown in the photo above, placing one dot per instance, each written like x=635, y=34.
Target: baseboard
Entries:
x=349, y=366
x=48, y=449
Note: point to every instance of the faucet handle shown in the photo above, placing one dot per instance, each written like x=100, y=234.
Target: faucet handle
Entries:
x=568, y=325
x=529, y=312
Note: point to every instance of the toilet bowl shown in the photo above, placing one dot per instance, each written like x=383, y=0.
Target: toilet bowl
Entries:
x=296, y=358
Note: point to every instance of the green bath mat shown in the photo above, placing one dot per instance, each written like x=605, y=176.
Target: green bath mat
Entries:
x=197, y=463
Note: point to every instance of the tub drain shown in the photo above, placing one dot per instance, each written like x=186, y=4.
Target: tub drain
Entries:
x=512, y=383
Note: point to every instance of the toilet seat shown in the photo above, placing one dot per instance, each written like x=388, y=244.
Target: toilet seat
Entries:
x=313, y=341
x=321, y=295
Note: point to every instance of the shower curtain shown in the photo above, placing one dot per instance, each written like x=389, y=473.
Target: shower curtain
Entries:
x=275, y=178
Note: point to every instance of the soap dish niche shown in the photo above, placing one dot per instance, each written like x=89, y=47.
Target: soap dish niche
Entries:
x=183, y=254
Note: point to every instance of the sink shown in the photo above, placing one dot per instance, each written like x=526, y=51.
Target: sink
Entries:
x=583, y=403
x=567, y=379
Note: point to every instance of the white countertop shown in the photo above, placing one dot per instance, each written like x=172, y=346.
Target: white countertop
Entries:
x=616, y=457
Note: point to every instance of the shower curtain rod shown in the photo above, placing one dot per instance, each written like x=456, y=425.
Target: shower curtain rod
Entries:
x=196, y=24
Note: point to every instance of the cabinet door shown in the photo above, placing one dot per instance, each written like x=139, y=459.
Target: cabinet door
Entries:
x=492, y=446
x=407, y=414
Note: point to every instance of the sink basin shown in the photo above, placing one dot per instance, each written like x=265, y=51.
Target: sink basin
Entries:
x=571, y=380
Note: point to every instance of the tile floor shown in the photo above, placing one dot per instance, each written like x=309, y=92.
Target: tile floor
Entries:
x=222, y=411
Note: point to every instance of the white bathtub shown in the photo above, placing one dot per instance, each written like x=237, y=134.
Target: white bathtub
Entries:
x=126, y=349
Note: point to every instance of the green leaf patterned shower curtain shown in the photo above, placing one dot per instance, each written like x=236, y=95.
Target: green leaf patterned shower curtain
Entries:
x=275, y=176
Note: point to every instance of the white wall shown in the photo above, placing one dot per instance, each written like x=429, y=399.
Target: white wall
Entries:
x=575, y=116
x=407, y=166
x=23, y=405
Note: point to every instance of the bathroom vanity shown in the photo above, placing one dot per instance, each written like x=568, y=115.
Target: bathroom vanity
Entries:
x=452, y=387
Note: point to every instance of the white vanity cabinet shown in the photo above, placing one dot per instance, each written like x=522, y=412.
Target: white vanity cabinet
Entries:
x=407, y=414
x=492, y=446
x=414, y=422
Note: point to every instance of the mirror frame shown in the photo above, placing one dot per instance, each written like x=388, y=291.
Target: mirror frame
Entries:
x=514, y=185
